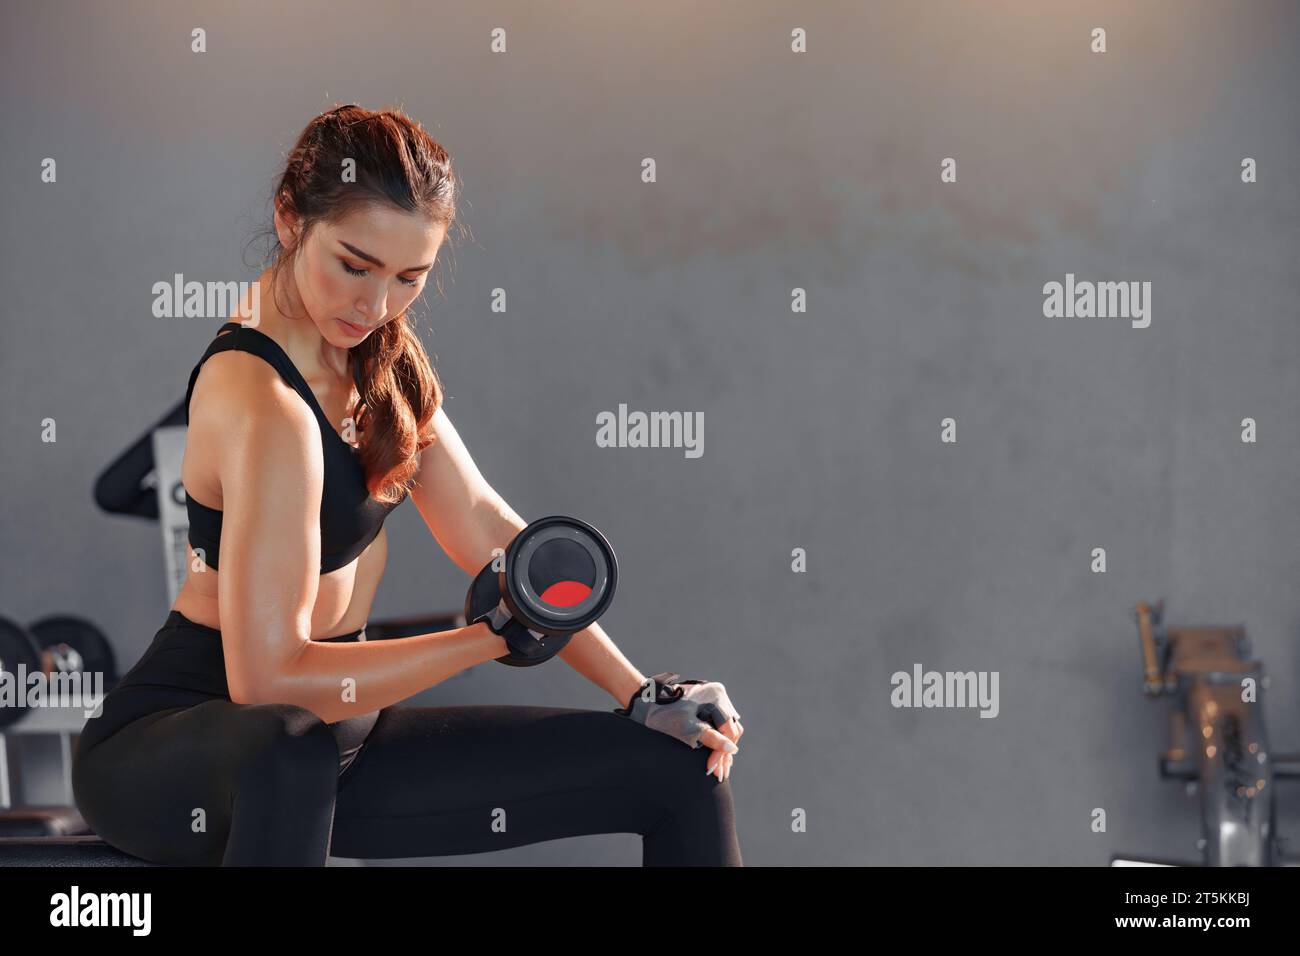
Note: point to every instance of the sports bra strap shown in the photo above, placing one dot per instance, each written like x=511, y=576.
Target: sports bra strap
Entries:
x=235, y=335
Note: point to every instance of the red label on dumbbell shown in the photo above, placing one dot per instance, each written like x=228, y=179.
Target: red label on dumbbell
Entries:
x=566, y=593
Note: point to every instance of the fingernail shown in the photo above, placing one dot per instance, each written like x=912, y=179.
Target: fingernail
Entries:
x=732, y=748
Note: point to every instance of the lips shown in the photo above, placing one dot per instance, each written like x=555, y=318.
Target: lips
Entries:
x=357, y=329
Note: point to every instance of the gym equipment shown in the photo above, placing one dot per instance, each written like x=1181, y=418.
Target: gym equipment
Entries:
x=557, y=576
x=71, y=644
x=17, y=647
x=1206, y=670
x=129, y=485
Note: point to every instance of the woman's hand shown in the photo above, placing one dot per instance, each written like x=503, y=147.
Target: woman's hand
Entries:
x=696, y=712
x=720, y=761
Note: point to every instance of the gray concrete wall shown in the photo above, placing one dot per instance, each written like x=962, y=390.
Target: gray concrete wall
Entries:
x=775, y=170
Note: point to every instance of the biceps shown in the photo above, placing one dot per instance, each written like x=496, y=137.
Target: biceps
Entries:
x=448, y=471
x=463, y=512
x=270, y=554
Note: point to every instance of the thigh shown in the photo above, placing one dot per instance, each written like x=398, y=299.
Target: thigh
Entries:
x=434, y=781
x=162, y=787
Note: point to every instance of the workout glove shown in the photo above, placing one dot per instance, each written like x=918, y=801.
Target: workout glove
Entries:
x=526, y=647
x=680, y=708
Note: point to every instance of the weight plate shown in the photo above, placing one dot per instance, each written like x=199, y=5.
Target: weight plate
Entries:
x=560, y=575
x=17, y=647
x=72, y=644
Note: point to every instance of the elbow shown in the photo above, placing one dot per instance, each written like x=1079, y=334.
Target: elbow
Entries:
x=262, y=686
x=245, y=691
x=262, y=665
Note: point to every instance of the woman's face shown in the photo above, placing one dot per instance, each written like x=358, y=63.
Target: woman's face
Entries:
x=356, y=275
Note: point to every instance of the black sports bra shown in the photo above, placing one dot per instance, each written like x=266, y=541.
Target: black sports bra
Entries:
x=349, y=518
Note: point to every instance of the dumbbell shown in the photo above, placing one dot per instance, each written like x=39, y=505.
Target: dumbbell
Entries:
x=556, y=577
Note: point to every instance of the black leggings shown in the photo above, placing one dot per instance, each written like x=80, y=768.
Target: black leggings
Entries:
x=210, y=782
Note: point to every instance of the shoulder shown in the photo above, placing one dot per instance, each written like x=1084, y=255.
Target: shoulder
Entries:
x=239, y=388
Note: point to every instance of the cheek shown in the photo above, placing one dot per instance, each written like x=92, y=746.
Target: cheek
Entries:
x=327, y=282
x=401, y=299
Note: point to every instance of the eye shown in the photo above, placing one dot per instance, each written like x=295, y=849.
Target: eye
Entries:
x=362, y=272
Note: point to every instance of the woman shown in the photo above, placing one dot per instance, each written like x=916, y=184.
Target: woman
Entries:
x=260, y=728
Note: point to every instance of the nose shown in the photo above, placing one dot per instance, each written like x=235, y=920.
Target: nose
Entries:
x=374, y=305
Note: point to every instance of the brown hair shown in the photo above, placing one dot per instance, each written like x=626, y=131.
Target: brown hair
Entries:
x=397, y=163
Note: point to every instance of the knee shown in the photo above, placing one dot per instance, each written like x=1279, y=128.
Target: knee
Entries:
x=288, y=746
x=680, y=771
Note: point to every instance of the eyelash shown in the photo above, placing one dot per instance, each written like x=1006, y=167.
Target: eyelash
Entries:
x=361, y=272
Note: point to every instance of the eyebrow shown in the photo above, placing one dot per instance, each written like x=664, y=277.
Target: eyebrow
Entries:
x=369, y=258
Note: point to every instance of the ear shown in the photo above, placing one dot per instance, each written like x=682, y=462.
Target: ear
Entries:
x=286, y=224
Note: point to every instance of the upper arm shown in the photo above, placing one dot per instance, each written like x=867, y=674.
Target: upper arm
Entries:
x=463, y=512
x=269, y=466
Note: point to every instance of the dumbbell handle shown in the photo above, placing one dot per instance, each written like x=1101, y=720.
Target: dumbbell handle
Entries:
x=499, y=617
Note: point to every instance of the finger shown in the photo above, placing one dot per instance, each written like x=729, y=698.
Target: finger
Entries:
x=719, y=763
x=726, y=770
x=728, y=730
x=714, y=765
x=714, y=715
x=716, y=741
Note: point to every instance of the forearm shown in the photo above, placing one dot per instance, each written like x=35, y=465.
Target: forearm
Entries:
x=592, y=654
x=347, y=679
